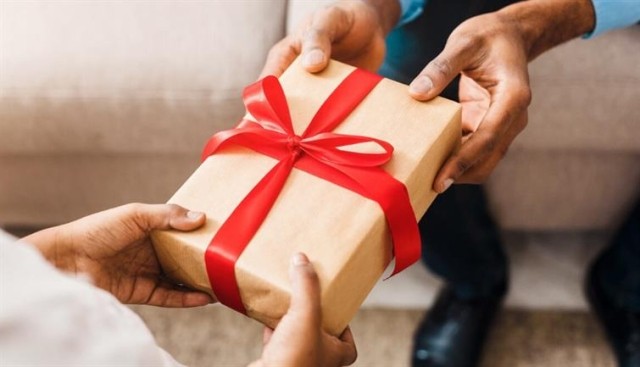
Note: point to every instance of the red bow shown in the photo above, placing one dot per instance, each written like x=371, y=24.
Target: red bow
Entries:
x=318, y=152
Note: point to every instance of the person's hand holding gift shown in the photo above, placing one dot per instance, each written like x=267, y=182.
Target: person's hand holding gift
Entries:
x=351, y=31
x=114, y=249
x=490, y=51
x=298, y=340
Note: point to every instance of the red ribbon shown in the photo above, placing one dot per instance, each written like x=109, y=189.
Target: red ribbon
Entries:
x=318, y=152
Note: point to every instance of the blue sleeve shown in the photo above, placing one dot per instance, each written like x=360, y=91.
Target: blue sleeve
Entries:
x=410, y=10
x=611, y=14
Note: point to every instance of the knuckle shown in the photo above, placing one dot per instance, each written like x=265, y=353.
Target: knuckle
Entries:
x=174, y=208
x=313, y=35
x=524, y=95
x=521, y=95
x=135, y=212
x=462, y=165
x=491, y=143
x=441, y=66
x=332, y=12
x=334, y=16
x=464, y=40
x=134, y=209
x=488, y=139
x=291, y=49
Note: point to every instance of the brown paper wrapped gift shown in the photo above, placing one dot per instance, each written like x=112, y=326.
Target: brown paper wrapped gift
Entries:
x=344, y=234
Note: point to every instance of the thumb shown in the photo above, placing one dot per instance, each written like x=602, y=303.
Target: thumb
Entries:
x=163, y=216
x=305, y=292
x=326, y=26
x=435, y=77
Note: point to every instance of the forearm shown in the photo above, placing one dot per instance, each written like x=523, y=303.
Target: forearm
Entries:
x=545, y=24
x=388, y=12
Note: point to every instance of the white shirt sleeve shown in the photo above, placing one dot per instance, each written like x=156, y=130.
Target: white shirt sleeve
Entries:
x=48, y=318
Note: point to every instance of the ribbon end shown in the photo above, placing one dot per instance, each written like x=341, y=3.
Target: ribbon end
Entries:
x=394, y=273
x=401, y=265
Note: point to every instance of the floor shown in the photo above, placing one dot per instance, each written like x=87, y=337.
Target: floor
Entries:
x=547, y=272
x=215, y=336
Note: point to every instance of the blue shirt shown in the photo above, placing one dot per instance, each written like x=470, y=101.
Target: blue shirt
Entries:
x=610, y=14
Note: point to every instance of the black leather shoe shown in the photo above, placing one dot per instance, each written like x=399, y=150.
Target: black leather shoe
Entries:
x=622, y=326
x=454, y=330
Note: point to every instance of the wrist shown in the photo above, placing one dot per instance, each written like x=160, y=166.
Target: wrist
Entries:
x=544, y=24
x=54, y=248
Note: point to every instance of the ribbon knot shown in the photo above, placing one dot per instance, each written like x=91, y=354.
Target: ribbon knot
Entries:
x=293, y=144
x=327, y=156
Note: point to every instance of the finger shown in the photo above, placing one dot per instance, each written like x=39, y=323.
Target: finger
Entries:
x=163, y=216
x=347, y=336
x=481, y=170
x=326, y=26
x=349, y=352
x=165, y=296
x=281, y=56
x=458, y=54
x=503, y=110
x=305, y=292
x=341, y=351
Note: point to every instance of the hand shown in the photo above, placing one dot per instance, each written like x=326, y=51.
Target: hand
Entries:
x=351, y=31
x=114, y=249
x=492, y=51
x=298, y=340
x=494, y=90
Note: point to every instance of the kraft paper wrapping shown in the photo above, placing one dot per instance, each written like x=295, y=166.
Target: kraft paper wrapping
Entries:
x=344, y=234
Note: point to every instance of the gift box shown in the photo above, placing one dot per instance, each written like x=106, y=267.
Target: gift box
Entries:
x=346, y=191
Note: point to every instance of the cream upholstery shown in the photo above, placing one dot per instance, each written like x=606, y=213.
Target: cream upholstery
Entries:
x=577, y=164
x=103, y=103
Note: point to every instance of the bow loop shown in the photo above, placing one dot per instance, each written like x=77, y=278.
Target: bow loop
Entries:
x=347, y=149
x=251, y=135
x=266, y=102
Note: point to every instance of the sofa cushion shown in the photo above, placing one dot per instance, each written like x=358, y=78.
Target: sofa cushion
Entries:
x=127, y=76
x=538, y=190
x=586, y=96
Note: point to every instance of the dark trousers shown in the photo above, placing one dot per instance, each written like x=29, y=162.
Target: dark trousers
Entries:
x=460, y=241
x=619, y=264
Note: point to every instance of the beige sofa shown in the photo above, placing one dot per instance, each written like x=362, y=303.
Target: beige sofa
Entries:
x=103, y=103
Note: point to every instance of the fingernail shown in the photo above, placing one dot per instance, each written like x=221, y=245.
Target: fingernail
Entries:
x=194, y=215
x=421, y=85
x=314, y=57
x=447, y=183
x=299, y=259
